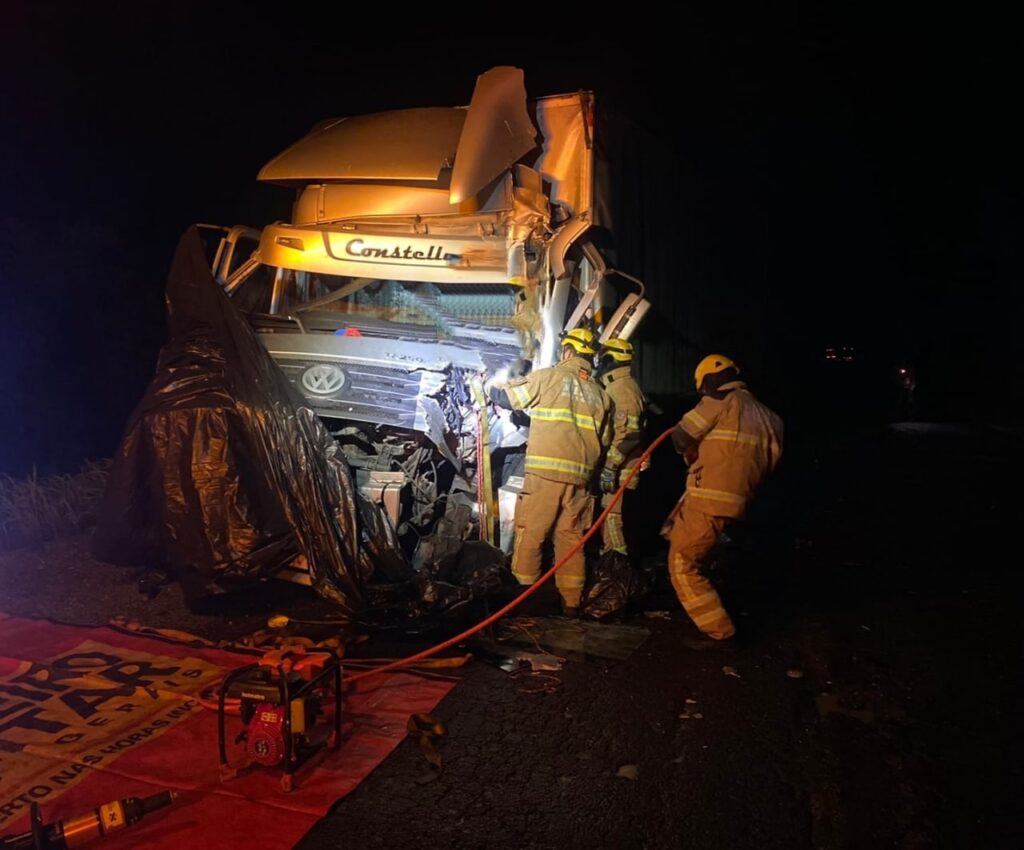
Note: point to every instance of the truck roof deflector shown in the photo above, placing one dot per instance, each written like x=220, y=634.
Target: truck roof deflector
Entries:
x=498, y=131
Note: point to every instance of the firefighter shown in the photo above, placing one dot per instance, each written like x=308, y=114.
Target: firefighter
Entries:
x=628, y=414
x=570, y=427
x=730, y=442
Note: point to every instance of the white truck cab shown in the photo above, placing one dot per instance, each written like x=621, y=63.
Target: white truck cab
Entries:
x=428, y=251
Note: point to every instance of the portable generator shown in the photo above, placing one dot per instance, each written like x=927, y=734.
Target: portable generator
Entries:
x=280, y=700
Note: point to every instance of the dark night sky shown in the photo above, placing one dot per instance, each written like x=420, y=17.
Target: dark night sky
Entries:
x=836, y=184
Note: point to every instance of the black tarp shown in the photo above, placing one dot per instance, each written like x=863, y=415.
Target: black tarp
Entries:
x=224, y=474
x=612, y=584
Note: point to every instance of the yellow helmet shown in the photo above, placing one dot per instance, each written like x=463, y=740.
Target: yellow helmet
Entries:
x=581, y=339
x=619, y=350
x=712, y=365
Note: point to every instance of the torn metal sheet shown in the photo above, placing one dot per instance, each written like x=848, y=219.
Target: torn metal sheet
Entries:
x=497, y=132
x=566, y=124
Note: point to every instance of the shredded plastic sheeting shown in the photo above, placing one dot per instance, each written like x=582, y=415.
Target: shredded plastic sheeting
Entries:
x=224, y=474
x=612, y=584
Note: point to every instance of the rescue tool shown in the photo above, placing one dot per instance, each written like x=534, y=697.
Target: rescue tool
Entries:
x=79, y=831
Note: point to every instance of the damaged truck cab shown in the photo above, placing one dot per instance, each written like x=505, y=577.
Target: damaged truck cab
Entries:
x=429, y=251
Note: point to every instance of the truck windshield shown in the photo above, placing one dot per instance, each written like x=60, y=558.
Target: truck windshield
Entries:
x=443, y=307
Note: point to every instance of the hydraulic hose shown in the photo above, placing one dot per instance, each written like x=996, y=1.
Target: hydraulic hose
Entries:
x=531, y=589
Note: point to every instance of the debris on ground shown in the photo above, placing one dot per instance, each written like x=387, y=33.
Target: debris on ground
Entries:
x=447, y=589
x=612, y=584
x=540, y=683
x=495, y=655
x=628, y=771
x=510, y=659
x=613, y=641
x=658, y=615
x=427, y=730
x=731, y=671
x=795, y=673
x=542, y=661
x=536, y=667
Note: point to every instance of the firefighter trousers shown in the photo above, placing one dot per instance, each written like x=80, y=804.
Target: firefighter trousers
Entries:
x=563, y=512
x=613, y=532
x=691, y=538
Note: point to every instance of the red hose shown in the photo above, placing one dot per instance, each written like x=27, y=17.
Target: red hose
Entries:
x=533, y=588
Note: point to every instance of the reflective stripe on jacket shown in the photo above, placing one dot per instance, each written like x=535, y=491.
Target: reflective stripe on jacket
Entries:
x=628, y=418
x=570, y=420
x=740, y=442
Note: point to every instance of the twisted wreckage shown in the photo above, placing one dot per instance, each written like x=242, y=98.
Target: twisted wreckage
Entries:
x=429, y=251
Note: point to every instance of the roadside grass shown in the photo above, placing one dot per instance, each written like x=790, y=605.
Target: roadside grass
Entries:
x=34, y=510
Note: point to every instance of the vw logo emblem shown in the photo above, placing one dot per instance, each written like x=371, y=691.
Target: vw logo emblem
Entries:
x=323, y=379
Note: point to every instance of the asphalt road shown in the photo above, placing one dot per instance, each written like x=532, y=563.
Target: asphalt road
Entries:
x=873, y=704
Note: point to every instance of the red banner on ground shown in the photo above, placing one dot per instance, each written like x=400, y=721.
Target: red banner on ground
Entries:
x=90, y=715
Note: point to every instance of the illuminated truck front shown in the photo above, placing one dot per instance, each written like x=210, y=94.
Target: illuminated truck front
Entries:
x=428, y=250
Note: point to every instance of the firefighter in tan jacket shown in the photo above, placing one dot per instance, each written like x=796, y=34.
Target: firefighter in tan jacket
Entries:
x=731, y=442
x=628, y=420
x=569, y=431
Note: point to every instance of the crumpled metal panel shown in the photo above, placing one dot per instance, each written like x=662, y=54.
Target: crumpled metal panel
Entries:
x=338, y=201
x=404, y=144
x=331, y=202
x=498, y=131
x=468, y=352
x=567, y=161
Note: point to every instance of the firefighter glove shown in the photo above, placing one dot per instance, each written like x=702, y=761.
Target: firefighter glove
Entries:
x=609, y=480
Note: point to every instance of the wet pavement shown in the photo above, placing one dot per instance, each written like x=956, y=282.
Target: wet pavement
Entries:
x=871, y=705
